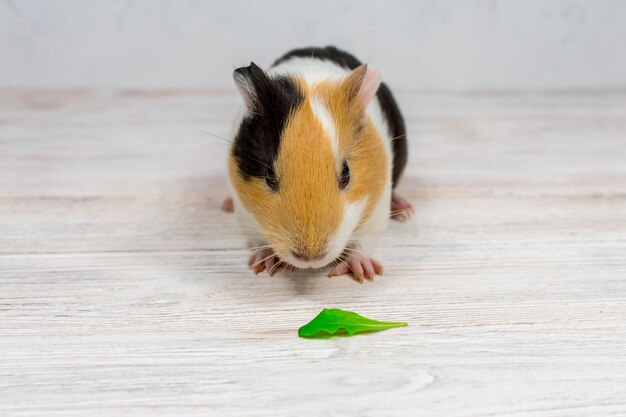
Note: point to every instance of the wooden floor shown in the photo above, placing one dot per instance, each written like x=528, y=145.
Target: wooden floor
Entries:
x=124, y=289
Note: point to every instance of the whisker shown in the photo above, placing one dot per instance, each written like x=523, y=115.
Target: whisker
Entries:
x=257, y=248
x=355, y=252
x=204, y=131
x=276, y=266
x=407, y=213
x=250, y=229
x=222, y=138
x=398, y=137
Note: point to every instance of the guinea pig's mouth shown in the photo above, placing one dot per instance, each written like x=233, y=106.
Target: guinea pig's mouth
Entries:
x=303, y=262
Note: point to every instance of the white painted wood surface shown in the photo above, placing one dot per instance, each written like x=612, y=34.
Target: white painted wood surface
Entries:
x=124, y=289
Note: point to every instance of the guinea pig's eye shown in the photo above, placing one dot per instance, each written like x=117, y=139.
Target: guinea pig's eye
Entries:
x=270, y=178
x=344, y=178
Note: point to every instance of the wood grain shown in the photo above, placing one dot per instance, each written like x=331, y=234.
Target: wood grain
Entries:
x=124, y=289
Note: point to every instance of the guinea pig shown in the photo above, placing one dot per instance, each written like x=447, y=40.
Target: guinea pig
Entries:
x=314, y=160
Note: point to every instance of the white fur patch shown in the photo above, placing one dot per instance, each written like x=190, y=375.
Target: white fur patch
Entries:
x=326, y=120
x=351, y=218
x=311, y=70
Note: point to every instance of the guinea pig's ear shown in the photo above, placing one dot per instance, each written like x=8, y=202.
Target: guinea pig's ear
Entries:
x=251, y=81
x=362, y=84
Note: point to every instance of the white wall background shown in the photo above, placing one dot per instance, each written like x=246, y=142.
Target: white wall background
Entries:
x=425, y=45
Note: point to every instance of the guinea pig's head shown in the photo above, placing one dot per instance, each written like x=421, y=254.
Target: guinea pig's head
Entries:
x=306, y=162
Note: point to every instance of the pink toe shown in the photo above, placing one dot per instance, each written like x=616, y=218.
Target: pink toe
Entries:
x=357, y=270
x=378, y=268
x=340, y=269
x=260, y=267
x=368, y=269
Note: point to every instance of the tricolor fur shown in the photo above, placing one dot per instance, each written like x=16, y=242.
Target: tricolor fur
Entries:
x=304, y=119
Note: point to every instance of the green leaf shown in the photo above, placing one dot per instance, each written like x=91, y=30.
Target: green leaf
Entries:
x=334, y=321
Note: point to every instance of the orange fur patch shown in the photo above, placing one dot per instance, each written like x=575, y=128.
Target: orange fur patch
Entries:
x=359, y=142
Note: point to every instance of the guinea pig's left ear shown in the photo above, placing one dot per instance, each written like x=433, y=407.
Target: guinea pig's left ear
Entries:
x=362, y=84
x=251, y=82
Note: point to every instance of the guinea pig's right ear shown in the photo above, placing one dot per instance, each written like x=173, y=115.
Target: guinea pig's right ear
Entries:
x=361, y=85
x=251, y=81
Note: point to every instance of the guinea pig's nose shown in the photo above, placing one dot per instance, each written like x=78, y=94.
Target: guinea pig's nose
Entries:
x=306, y=258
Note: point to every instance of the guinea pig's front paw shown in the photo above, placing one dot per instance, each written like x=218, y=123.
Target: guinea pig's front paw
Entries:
x=265, y=260
x=359, y=265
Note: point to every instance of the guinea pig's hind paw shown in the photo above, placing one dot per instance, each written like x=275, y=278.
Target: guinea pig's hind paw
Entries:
x=359, y=266
x=401, y=209
x=228, y=205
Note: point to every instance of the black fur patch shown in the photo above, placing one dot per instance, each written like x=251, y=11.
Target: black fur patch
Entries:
x=388, y=104
x=257, y=142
